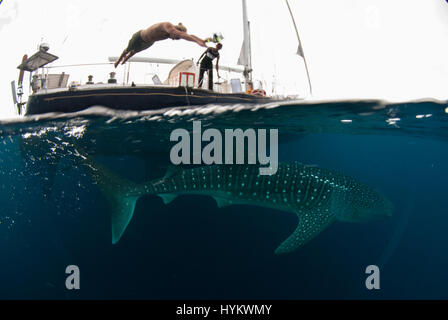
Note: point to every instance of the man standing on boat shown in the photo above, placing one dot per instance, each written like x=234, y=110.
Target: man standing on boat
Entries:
x=207, y=65
x=143, y=39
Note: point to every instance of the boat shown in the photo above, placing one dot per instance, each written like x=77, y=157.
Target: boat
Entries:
x=130, y=97
x=52, y=93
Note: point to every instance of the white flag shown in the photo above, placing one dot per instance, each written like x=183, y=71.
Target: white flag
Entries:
x=300, y=51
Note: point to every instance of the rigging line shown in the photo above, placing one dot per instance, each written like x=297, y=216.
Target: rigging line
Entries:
x=186, y=95
x=300, y=51
x=129, y=70
x=80, y=65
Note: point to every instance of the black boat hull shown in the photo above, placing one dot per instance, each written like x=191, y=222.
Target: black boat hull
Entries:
x=132, y=98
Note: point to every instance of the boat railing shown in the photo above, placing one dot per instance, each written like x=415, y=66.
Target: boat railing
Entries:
x=188, y=65
x=103, y=73
x=49, y=78
x=125, y=77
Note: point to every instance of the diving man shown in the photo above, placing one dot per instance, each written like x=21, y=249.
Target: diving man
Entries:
x=143, y=39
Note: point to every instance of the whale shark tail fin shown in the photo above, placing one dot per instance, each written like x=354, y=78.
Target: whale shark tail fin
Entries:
x=311, y=223
x=122, y=194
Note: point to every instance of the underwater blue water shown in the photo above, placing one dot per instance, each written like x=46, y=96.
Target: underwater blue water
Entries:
x=53, y=215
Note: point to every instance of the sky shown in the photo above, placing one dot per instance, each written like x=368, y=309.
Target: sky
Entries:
x=354, y=48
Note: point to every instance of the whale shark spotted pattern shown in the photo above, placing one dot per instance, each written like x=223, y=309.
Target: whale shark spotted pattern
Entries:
x=317, y=196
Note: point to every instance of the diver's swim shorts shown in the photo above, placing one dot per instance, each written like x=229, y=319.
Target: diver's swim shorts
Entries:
x=137, y=43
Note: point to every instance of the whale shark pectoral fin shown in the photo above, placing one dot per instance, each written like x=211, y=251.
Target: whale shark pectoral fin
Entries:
x=167, y=197
x=221, y=202
x=122, y=212
x=311, y=223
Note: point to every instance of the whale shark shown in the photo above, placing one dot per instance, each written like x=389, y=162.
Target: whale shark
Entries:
x=317, y=196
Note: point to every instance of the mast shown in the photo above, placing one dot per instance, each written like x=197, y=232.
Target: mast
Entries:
x=246, y=48
x=19, y=104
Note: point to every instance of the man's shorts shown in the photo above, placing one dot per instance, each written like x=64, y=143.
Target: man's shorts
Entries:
x=206, y=63
x=137, y=43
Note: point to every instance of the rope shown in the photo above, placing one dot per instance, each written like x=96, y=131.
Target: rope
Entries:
x=80, y=65
x=186, y=95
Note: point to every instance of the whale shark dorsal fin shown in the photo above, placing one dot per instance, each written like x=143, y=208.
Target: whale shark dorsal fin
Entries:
x=221, y=202
x=171, y=171
x=311, y=223
x=167, y=197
